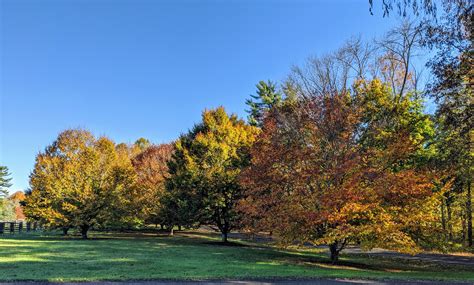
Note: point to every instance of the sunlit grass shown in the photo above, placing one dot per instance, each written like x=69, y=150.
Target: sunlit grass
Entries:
x=191, y=256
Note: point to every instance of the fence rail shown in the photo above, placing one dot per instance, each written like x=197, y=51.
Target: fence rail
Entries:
x=18, y=227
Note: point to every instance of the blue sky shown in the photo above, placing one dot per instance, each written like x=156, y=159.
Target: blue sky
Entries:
x=130, y=69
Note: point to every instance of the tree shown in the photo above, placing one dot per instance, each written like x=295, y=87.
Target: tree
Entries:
x=390, y=58
x=4, y=181
x=328, y=73
x=78, y=181
x=448, y=31
x=311, y=180
x=266, y=98
x=17, y=199
x=7, y=211
x=384, y=113
x=454, y=142
x=203, y=181
x=453, y=71
x=142, y=143
x=399, y=46
x=151, y=166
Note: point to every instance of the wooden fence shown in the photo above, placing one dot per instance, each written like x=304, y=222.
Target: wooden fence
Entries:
x=18, y=227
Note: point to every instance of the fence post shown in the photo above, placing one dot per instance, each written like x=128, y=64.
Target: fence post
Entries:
x=28, y=226
x=2, y=227
x=12, y=227
x=20, y=227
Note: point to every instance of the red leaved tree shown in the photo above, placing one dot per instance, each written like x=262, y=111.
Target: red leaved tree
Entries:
x=152, y=170
x=312, y=181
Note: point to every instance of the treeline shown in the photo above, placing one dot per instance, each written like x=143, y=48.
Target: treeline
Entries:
x=342, y=151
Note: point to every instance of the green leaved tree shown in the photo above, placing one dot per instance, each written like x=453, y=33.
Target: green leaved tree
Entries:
x=266, y=98
x=4, y=181
x=7, y=211
x=203, y=186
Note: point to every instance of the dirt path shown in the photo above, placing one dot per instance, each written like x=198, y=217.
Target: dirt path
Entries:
x=249, y=282
x=448, y=259
x=430, y=257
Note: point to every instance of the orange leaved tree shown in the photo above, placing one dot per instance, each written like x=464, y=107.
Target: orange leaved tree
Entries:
x=311, y=180
x=151, y=166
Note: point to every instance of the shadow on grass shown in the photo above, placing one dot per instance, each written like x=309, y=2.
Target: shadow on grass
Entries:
x=229, y=243
x=116, y=256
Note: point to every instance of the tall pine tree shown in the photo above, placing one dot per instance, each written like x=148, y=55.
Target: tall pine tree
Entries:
x=266, y=98
x=4, y=181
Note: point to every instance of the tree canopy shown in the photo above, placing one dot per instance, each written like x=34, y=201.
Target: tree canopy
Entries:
x=78, y=181
x=266, y=98
x=204, y=169
x=4, y=181
x=313, y=180
x=151, y=166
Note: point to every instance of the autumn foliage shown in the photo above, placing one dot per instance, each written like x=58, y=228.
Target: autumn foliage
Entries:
x=311, y=179
x=151, y=166
x=203, y=186
x=341, y=152
x=80, y=181
x=17, y=198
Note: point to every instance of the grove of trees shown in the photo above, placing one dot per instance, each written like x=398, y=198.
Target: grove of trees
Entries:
x=340, y=152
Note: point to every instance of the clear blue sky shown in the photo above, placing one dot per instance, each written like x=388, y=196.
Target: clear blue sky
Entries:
x=130, y=69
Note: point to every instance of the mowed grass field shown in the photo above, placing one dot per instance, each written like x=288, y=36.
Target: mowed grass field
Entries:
x=192, y=256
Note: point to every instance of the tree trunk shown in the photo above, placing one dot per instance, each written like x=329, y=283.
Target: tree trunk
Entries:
x=84, y=230
x=334, y=253
x=469, y=214
x=449, y=222
x=171, y=231
x=443, y=217
x=65, y=230
x=161, y=226
x=179, y=227
x=224, y=236
x=464, y=225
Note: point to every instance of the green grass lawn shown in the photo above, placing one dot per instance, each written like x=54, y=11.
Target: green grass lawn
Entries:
x=190, y=256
